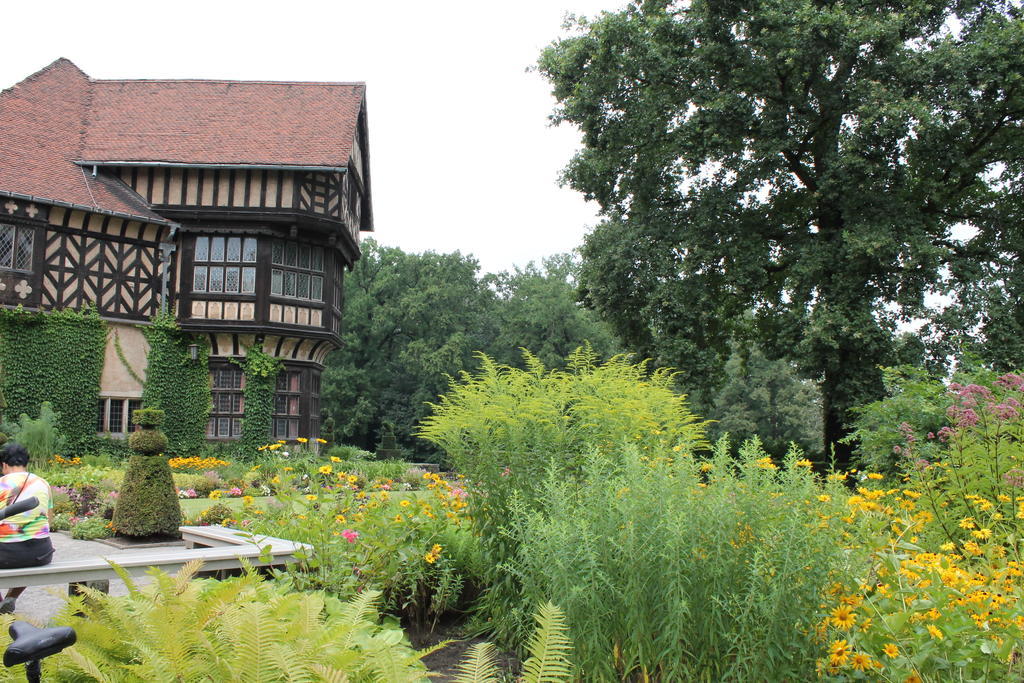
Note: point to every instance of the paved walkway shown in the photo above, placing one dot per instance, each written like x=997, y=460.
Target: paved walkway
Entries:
x=39, y=604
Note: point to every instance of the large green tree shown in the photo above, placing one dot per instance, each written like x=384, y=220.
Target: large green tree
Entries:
x=410, y=320
x=805, y=159
x=537, y=309
x=765, y=398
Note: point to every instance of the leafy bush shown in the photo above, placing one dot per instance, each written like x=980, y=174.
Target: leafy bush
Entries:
x=147, y=504
x=671, y=568
x=147, y=441
x=373, y=538
x=344, y=452
x=91, y=528
x=503, y=426
x=183, y=629
x=83, y=475
x=218, y=513
x=40, y=436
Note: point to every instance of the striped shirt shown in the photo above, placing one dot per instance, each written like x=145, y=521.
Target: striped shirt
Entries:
x=31, y=524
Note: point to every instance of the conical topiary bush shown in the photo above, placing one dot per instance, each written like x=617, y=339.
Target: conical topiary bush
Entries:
x=147, y=504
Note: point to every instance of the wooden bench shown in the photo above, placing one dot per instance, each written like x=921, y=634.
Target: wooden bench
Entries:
x=221, y=549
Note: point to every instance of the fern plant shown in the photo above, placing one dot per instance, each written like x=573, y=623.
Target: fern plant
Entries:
x=549, y=649
x=180, y=628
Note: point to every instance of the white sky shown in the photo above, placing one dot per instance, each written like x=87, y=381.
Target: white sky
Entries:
x=462, y=155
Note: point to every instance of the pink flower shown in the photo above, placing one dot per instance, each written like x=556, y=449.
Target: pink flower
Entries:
x=235, y=491
x=1010, y=381
x=459, y=492
x=350, y=535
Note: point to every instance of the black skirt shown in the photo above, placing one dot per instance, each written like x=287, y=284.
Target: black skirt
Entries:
x=34, y=552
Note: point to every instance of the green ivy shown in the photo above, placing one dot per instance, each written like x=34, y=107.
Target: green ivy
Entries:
x=55, y=356
x=260, y=370
x=177, y=385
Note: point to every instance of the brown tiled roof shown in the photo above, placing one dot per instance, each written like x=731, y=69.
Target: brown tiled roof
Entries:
x=41, y=123
x=60, y=116
x=223, y=122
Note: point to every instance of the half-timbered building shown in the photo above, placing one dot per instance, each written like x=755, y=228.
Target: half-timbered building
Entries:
x=236, y=205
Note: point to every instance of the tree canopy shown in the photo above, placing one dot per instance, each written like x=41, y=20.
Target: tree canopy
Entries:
x=825, y=165
x=412, y=320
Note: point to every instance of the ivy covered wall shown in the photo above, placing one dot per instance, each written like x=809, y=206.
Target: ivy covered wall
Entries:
x=177, y=385
x=57, y=357
x=260, y=370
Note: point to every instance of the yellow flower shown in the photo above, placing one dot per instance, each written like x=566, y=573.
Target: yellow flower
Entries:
x=934, y=631
x=843, y=617
x=891, y=650
x=301, y=439
x=247, y=500
x=875, y=475
x=430, y=558
x=216, y=493
x=824, y=498
x=326, y=469
x=274, y=446
x=967, y=523
x=310, y=496
x=982, y=533
x=861, y=661
x=404, y=503
x=340, y=519
x=398, y=519
x=286, y=469
x=321, y=440
x=275, y=480
x=281, y=441
x=765, y=463
x=706, y=467
x=352, y=478
x=335, y=458
x=912, y=678
x=804, y=463
x=436, y=549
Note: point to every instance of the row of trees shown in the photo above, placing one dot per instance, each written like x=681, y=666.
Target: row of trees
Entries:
x=413, y=320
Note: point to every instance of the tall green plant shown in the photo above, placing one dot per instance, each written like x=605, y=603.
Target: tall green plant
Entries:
x=41, y=436
x=671, y=568
x=177, y=384
x=502, y=426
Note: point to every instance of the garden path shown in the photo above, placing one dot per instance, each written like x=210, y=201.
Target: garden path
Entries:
x=39, y=604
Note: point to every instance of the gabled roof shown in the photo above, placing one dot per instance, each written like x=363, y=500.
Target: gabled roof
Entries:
x=60, y=116
x=42, y=119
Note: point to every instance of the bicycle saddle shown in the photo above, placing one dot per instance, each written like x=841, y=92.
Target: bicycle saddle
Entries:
x=29, y=642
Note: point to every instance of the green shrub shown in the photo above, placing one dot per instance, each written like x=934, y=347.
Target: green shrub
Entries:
x=199, y=483
x=148, y=441
x=147, y=504
x=503, y=428
x=217, y=514
x=149, y=418
x=83, y=475
x=61, y=522
x=40, y=436
x=242, y=629
x=345, y=452
x=3, y=438
x=676, y=569
x=91, y=528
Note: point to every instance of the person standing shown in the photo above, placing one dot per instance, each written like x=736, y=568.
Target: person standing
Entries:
x=25, y=537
